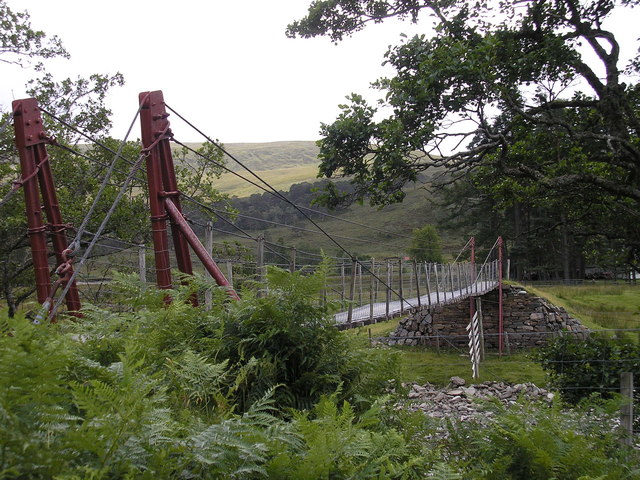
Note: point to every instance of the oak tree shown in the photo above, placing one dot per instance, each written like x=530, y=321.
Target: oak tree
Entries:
x=531, y=96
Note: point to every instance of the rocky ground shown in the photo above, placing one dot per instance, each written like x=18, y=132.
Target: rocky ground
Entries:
x=468, y=402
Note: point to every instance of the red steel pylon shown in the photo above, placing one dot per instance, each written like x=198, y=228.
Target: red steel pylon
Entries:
x=164, y=197
x=36, y=172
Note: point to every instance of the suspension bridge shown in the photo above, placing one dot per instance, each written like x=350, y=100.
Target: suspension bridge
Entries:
x=370, y=290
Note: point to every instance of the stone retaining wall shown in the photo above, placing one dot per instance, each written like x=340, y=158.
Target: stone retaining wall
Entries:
x=528, y=321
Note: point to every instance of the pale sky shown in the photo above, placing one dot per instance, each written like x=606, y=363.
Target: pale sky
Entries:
x=227, y=66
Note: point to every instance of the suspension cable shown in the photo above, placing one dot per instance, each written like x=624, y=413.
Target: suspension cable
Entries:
x=285, y=199
x=105, y=220
x=6, y=123
x=75, y=243
x=462, y=250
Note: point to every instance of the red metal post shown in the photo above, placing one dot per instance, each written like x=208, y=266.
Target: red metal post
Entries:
x=160, y=127
x=500, y=317
x=153, y=127
x=25, y=113
x=164, y=197
x=178, y=219
x=472, y=300
x=34, y=164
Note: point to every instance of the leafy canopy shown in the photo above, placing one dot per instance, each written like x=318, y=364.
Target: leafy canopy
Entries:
x=493, y=78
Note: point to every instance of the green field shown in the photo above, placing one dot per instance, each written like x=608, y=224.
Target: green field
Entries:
x=599, y=306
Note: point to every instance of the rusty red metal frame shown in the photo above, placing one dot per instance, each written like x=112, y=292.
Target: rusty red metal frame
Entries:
x=500, y=317
x=36, y=170
x=472, y=299
x=164, y=197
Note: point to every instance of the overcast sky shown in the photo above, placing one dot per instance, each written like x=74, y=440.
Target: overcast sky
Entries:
x=227, y=66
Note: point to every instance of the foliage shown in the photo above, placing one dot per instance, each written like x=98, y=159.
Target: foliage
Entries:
x=579, y=368
x=19, y=41
x=337, y=444
x=289, y=340
x=426, y=245
x=505, y=91
x=532, y=442
x=149, y=392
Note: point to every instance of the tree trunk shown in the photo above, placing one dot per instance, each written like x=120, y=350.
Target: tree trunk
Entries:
x=8, y=294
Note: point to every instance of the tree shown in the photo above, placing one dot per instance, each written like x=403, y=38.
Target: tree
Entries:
x=531, y=92
x=19, y=42
x=426, y=245
x=80, y=103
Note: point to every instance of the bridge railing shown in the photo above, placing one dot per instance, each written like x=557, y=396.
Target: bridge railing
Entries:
x=372, y=290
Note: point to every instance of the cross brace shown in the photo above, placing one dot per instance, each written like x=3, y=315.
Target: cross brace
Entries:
x=164, y=198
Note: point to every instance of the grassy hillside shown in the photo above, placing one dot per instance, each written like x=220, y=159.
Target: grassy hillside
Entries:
x=600, y=305
x=269, y=155
x=389, y=232
x=283, y=164
x=279, y=178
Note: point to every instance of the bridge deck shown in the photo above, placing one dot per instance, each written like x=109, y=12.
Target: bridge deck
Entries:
x=363, y=313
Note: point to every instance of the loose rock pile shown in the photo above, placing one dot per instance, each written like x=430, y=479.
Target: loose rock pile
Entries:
x=461, y=402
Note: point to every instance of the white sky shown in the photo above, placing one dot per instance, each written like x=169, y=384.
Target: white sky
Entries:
x=226, y=66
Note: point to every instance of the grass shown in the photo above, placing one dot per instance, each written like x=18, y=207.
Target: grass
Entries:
x=598, y=306
x=422, y=365
x=278, y=178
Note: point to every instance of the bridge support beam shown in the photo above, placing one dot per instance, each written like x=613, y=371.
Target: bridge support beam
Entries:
x=164, y=197
x=37, y=178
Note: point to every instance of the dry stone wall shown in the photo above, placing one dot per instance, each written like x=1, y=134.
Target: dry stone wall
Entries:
x=528, y=321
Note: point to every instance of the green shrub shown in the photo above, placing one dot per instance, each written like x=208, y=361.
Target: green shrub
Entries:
x=580, y=368
x=338, y=444
x=289, y=339
x=535, y=442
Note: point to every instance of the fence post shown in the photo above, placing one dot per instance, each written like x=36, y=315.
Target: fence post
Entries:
x=352, y=290
x=342, y=280
x=400, y=285
x=435, y=271
x=292, y=260
x=626, y=410
x=500, y=313
x=453, y=288
x=359, y=270
x=142, y=263
x=208, y=244
x=372, y=286
x=426, y=274
x=388, y=300
x=260, y=262
x=417, y=274
x=230, y=272
x=478, y=301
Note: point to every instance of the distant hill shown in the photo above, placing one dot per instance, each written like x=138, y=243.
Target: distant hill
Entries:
x=282, y=164
x=274, y=155
x=287, y=164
